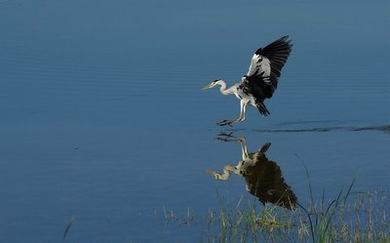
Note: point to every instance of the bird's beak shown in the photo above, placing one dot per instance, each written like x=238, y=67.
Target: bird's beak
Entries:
x=206, y=87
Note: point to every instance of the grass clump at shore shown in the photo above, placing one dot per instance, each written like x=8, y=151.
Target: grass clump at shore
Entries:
x=350, y=217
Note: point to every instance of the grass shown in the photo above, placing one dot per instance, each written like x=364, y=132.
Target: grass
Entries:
x=349, y=217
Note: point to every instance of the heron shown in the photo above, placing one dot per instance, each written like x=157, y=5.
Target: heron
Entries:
x=263, y=177
x=261, y=80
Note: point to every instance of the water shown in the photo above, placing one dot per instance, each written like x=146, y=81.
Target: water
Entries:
x=103, y=119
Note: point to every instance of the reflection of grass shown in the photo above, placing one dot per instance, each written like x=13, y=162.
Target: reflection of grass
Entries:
x=350, y=217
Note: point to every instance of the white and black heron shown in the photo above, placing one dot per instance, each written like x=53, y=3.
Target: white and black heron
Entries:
x=261, y=80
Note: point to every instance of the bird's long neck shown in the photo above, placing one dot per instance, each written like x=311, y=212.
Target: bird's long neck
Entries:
x=224, y=90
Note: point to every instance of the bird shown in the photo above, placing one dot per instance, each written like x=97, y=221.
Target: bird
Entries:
x=263, y=177
x=261, y=80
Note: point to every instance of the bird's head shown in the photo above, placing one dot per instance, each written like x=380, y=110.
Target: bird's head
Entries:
x=213, y=84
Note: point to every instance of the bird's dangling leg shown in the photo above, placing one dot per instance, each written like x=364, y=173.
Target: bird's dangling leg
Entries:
x=241, y=118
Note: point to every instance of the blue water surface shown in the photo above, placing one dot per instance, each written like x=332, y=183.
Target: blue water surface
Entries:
x=103, y=119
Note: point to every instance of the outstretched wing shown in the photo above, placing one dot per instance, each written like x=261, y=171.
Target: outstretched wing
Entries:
x=266, y=66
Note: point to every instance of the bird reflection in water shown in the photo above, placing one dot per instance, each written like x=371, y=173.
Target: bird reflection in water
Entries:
x=263, y=177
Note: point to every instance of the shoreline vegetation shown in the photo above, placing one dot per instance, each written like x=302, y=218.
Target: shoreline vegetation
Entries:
x=350, y=217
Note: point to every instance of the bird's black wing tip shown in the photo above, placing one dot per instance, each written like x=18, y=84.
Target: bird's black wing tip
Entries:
x=286, y=39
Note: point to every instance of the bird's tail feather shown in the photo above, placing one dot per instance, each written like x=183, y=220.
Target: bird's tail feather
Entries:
x=262, y=108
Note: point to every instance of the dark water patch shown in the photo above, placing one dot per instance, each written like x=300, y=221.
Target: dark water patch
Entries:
x=307, y=122
x=383, y=128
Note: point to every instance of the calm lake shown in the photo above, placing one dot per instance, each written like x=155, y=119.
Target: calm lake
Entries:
x=103, y=120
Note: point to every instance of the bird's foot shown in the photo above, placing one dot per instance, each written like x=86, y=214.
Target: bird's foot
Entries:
x=226, y=122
